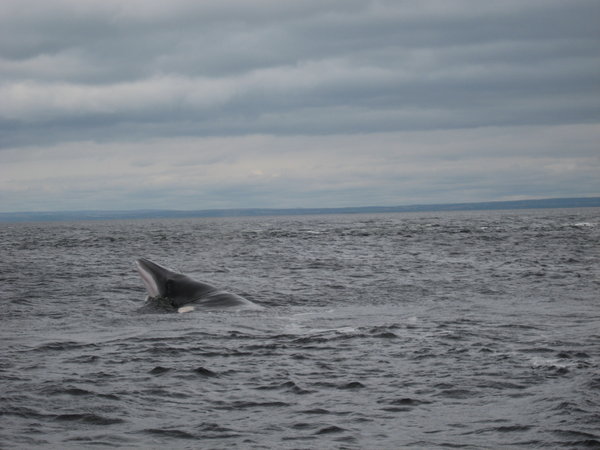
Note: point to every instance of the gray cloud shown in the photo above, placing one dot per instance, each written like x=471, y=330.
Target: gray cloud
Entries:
x=329, y=73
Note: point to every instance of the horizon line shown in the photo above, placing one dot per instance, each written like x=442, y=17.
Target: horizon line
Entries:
x=150, y=213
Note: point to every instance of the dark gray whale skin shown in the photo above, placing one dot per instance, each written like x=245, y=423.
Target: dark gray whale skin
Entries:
x=178, y=290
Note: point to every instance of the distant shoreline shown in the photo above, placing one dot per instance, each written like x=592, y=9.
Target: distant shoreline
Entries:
x=57, y=216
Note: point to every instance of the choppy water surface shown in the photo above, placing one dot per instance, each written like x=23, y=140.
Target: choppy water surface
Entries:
x=477, y=330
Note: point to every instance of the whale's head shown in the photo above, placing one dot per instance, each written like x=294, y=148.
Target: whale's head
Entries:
x=167, y=285
x=154, y=276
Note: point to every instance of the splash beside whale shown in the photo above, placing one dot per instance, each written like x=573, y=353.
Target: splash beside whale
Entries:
x=175, y=291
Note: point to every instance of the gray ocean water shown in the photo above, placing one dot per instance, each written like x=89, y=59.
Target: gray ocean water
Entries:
x=437, y=330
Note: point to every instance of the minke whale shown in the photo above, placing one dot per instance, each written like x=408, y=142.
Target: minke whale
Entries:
x=177, y=292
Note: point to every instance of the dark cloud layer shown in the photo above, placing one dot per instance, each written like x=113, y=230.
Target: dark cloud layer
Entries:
x=116, y=72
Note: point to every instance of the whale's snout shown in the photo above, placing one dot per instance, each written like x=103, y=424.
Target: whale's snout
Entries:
x=149, y=276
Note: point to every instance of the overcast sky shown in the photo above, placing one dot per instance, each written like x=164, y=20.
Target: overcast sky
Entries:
x=187, y=104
